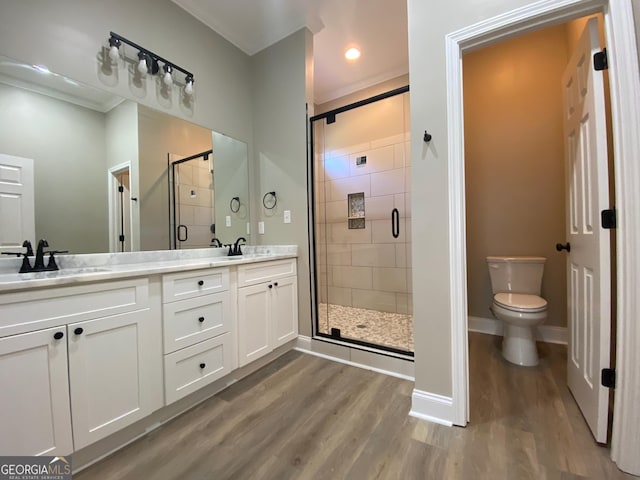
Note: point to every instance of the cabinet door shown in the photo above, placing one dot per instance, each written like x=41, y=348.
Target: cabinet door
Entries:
x=35, y=416
x=284, y=311
x=111, y=368
x=253, y=323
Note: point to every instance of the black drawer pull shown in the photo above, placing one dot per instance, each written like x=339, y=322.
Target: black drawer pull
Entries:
x=276, y=284
x=58, y=335
x=270, y=286
x=202, y=365
x=201, y=319
x=78, y=331
x=200, y=282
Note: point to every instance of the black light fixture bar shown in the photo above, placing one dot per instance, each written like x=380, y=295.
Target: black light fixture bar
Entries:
x=152, y=56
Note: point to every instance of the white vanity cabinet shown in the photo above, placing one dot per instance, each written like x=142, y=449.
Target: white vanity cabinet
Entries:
x=199, y=340
x=103, y=335
x=267, y=307
x=35, y=418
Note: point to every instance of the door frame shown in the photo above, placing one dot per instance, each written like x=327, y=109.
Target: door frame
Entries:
x=625, y=105
x=112, y=179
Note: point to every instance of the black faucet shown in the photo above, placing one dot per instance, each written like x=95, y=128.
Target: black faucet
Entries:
x=26, y=264
x=236, y=249
x=38, y=266
x=215, y=242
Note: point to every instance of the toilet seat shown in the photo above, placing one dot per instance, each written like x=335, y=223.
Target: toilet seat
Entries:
x=520, y=302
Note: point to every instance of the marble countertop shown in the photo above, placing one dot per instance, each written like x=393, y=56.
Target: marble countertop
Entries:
x=76, y=269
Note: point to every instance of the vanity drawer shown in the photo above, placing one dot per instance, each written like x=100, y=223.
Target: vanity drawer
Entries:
x=254, y=273
x=192, y=368
x=179, y=286
x=44, y=308
x=187, y=322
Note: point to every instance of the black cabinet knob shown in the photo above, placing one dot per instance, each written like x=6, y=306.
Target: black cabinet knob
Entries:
x=201, y=319
x=270, y=286
x=58, y=335
x=276, y=284
x=201, y=282
x=78, y=331
x=202, y=365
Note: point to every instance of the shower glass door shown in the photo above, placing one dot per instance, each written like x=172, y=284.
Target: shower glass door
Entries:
x=193, y=202
x=362, y=231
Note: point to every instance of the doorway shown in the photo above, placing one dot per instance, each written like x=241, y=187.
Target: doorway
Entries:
x=120, y=224
x=623, y=61
x=515, y=169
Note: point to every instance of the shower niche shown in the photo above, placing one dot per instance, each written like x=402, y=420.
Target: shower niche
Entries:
x=355, y=201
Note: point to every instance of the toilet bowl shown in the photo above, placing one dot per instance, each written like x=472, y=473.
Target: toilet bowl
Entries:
x=516, y=283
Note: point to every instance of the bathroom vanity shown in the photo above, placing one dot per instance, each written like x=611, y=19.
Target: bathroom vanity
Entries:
x=109, y=339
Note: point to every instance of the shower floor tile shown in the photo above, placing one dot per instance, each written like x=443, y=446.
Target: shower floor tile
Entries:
x=381, y=328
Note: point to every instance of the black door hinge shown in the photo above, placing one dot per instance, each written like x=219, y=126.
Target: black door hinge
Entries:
x=121, y=237
x=120, y=188
x=608, y=377
x=600, y=60
x=608, y=218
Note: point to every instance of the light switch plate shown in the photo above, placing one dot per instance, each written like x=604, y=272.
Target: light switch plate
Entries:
x=261, y=228
x=228, y=220
x=287, y=216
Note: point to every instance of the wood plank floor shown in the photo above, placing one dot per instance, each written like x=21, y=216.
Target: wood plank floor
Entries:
x=304, y=417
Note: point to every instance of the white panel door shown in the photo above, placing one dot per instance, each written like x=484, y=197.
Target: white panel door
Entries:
x=284, y=310
x=109, y=373
x=588, y=265
x=17, y=213
x=35, y=417
x=254, y=318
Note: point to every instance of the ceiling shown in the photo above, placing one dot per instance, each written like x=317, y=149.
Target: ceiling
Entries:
x=377, y=27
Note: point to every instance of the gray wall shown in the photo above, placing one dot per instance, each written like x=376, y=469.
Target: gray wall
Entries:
x=280, y=152
x=67, y=145
x=121, y=133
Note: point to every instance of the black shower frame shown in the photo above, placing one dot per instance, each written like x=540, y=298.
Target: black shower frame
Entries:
x=172, y=195
x=330, y=117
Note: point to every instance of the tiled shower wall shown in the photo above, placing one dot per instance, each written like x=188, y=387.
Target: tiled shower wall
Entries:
x=365, y=268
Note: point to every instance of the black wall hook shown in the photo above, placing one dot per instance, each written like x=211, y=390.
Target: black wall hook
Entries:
x=427, y=136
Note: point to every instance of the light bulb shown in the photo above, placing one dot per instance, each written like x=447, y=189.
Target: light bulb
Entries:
x=352, y=54
x=167, y=79
x=188, y=88
x=114, y=53
x=142, y=65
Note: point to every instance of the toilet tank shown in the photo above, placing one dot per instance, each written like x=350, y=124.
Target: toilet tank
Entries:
x=516, y=274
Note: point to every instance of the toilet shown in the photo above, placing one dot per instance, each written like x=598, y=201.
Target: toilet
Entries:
x=516, y=283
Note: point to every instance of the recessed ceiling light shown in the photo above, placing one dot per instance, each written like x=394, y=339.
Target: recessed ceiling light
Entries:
x=352, y=54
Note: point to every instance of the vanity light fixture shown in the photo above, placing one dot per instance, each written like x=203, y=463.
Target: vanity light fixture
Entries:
x=167, y=78
x=148, y=62
x=188, y=88
x=114, y=48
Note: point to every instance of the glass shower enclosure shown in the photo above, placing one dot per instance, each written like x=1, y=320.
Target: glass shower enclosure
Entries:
x=361, y=176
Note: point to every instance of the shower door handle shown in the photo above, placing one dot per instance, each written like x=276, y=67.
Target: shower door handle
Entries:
x=183, y=228
x=395, y=223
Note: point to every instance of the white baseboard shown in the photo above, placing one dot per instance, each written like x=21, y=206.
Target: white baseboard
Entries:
x=544, y=333
x=432, y=407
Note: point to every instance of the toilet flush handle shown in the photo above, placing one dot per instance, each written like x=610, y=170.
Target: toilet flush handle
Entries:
x=566, y=246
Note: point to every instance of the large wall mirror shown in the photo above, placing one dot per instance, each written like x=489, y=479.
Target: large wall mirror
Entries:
x=104, y=173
